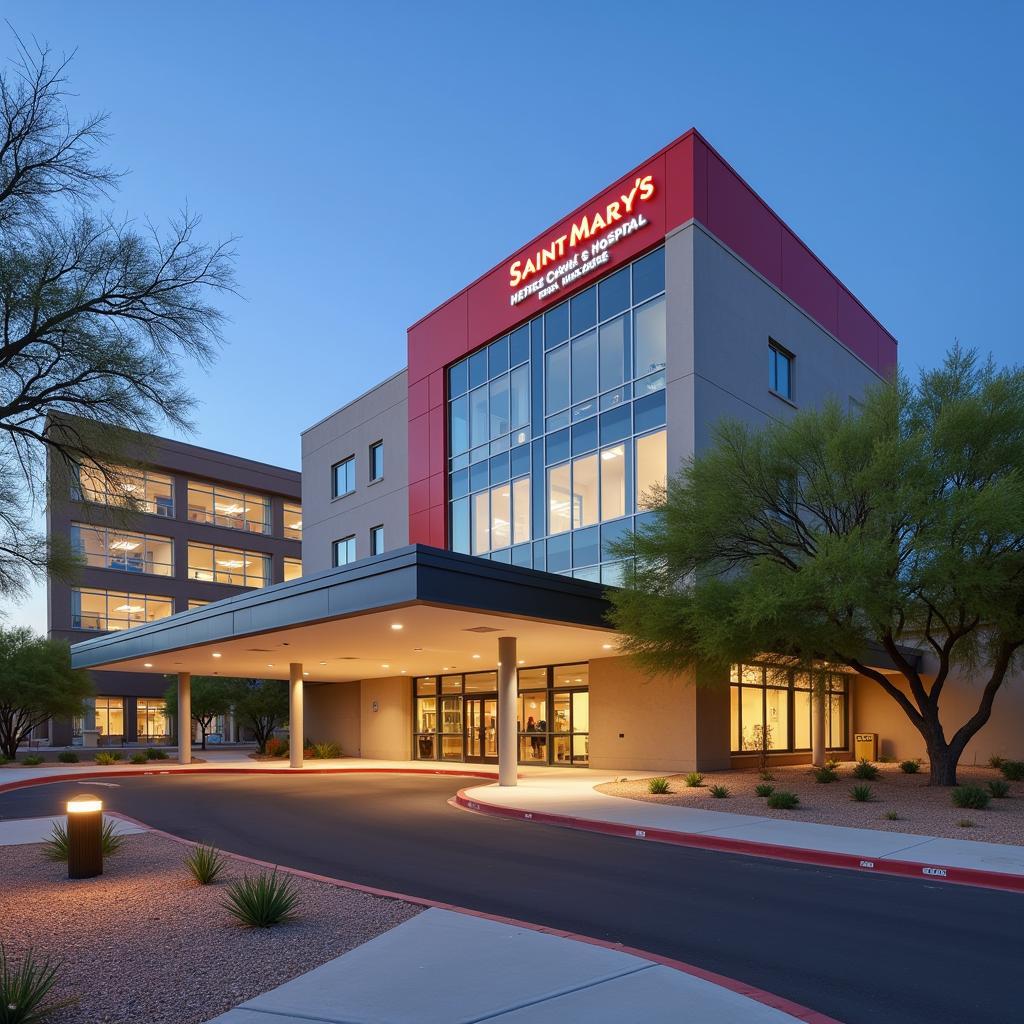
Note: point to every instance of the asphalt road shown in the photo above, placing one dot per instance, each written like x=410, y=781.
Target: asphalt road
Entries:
x=857, y=947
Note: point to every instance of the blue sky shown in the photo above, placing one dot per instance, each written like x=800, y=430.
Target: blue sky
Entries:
x=374, y=158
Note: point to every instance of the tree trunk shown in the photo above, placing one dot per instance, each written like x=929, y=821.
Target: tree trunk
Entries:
x=943, y=764
x=202, y=733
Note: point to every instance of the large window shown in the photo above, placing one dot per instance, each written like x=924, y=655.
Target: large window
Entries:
x=141, y=489
x=343, y=477
x=344, y=551
x=123, y=550
x=772, y=705
x=557, y=430
x=110, y=610
x=152, y=723
x=780, y=370
x=376, y=461
x=215, y=564
x=225, y=506
x=292, y=520
x=110, y=717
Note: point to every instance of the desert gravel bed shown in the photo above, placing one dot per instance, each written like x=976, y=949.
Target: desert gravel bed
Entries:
x=145, y=943
x=922, y=809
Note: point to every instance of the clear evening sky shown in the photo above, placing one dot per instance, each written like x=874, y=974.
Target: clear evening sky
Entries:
x=374, y=158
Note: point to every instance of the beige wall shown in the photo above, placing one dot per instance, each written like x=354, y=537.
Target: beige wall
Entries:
x=387, y=731
x=645, y=723
x=876, y=711
x=332, y=715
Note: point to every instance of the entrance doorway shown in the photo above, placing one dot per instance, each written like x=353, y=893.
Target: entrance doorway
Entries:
x=481, y=715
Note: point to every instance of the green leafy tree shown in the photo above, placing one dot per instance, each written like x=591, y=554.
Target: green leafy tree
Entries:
x=37, y=683
x=211, y=697
x=97, y=314
x=826, y=535
x=262, y=705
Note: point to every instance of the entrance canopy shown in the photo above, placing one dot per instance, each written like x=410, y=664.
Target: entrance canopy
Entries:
x=414, y=611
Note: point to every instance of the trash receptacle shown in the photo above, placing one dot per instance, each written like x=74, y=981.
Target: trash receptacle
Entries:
x=865, y=746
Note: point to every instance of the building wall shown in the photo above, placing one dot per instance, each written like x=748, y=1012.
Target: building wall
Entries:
x=379, y=415
x=332, y=715
x=386, y=718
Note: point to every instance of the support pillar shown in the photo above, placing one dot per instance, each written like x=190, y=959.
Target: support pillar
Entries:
x=184, y=718
x=817, y=726
x=296, y=729
x=508, y=740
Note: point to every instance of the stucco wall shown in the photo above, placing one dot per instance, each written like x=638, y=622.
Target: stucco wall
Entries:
x=386, y=732
x=379, y=415
x=876, y=711
x=332, y=715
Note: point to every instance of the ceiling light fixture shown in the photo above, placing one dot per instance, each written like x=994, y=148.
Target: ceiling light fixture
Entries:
x=396, y=625
x=477, y=656
x=606, y=647
x=216, y=654
x=147, y=664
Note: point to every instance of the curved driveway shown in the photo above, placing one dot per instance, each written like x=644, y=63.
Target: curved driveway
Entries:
x=857, y=947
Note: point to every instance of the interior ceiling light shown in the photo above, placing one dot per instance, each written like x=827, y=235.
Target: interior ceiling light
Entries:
x=124, y=545
x=611, y=453
x=232, y=563
x=132, y=609
x=232, y=510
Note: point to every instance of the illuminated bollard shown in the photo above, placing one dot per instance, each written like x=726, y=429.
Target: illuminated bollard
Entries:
x=85, y=837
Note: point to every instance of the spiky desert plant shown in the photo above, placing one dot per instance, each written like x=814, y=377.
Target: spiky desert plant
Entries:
x=205, y=864
x=260, y=901
x=56, y=847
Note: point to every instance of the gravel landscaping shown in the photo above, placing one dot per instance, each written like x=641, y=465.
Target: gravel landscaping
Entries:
x=922, y=809
x=143, y=942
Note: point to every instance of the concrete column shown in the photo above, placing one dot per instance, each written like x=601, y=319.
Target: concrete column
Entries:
x=90, y=714
x=508, y=741
x=817, y=726
x=185, y=717
x=296, y=733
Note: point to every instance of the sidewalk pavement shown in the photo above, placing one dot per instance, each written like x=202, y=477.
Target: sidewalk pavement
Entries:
x=442, y=967
x=573, y=801
x=22, y=831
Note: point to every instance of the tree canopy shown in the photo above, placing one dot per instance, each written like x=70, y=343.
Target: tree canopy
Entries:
x=211, y=696
x=816, y=538
x=262, y=706
x=37, y=682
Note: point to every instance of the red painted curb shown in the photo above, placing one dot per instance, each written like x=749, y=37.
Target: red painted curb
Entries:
x=877, y=865
x=759, y=995
x=204, y=769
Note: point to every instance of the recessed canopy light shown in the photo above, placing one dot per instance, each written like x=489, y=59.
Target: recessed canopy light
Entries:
x=147, y=664
x=305, y=673
x=216, y=654
x=405, y=671
x=522, y=661
x=444, y=668
x=606, y=647
x=270, y=664
x=477, y=656
x=385, y=666
x=323, y=662
x=396, y=625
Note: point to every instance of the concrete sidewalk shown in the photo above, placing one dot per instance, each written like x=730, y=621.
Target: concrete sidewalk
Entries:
x=448, y=968
x=574, y=802
x=22, y=831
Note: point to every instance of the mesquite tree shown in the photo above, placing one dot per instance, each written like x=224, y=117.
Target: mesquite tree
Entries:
x=97, y=314
x=900, y=525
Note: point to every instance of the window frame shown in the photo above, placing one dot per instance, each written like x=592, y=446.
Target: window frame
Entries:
x=778, y=352
x=291, y=532
x=349, y=460
x=376, y=448
x=110, y=534
x=351, y=538
x=375, y=532
x=228, y=522
x=244, y=553
x=127, y=597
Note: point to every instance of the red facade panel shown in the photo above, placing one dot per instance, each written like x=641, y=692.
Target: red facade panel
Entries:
x=807, y=281
x=438, y=339
x=419, y=448
x=856, y=326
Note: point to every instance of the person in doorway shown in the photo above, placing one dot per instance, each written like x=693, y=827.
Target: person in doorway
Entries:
x=542, y=728
x=531, y=726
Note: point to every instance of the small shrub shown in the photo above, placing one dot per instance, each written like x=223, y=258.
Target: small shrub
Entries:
x=825, y=774
x=4, y=760
x=767, y=777
x=999, y=788
x=783, y=801
x=1013, y=771
x=32, y=759
x=205, y=864
x=719, y=792
x=25, y=990
x=325, y=750
x=973, y=797
x=139, y=757
x=657, y=786
x=68, y=757
x=106, y=757
x=764, y=789
x=56, y=847
x=861, y=794
x=911, y=767
x=694, y=779
x=892, y=816
x=965, y=823
x=156, y=754
x=996, y=761
x=864, y=769
x=832, y=763
x=276, y=747
x=259, y=901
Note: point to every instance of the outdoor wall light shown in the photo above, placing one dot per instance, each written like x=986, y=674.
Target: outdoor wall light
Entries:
x=85, y=836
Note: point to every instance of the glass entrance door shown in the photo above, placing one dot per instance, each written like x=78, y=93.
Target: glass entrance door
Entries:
x=481, y=715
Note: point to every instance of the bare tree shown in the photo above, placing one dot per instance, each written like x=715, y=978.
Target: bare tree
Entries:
x=97, y=314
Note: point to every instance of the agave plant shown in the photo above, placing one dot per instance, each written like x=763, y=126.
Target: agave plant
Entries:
x=205, y=864
x=56, y=847
x=259, y=901
x=25, y=990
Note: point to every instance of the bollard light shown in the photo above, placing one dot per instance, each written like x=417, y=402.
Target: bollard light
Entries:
x=85, y=837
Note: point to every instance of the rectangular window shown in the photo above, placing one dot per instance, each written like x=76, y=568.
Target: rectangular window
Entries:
x=140, y=489
x=501, y=516
x=376, y=460
x=556, y=379
x=780, y=370
x=292, y=520
x=651, y=469
x=613, y=482
x=212, y=563
x=344, y=551
x=151, y=721
x=225, y=506
x=123, y=550
x=376, y=540
x=584, y=491
x=559, y=503
x=649, y=337
x=192, y=603
x=292, y=568
x=481, y=523
x=344, y=477
x=111, y=610
x=521, y=510
x=110, y=717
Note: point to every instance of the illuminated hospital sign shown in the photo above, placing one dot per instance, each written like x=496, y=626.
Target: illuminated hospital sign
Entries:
x=585, y=247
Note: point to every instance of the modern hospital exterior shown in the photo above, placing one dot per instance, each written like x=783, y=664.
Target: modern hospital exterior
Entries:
x=457, y=517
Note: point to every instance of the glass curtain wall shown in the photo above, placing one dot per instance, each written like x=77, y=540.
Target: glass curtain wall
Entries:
x=557, y=430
